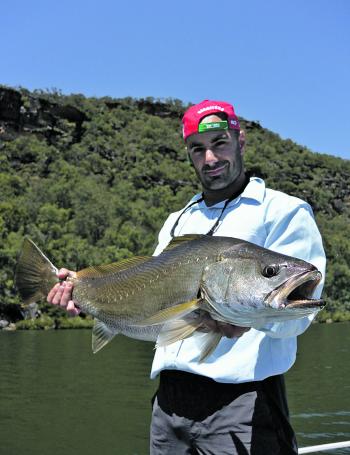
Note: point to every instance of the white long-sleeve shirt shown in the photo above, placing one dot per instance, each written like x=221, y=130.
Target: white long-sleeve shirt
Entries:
x=270, y=219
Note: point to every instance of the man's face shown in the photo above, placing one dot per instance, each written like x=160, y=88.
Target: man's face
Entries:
x=216, y=158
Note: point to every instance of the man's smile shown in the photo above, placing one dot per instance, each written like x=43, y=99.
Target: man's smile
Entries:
x=217, y=170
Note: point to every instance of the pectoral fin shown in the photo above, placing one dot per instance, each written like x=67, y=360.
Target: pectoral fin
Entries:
x=174, y=312
x=101, y=335
x=211, y=340
x=176, y=330
x=181, y=328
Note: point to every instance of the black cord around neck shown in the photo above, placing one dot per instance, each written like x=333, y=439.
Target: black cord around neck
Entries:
x=214, y=228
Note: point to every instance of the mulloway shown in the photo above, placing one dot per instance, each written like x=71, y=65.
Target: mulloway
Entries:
x=163, y=298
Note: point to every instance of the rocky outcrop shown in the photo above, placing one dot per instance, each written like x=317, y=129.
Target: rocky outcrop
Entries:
x=148, y=105
x=22, y=113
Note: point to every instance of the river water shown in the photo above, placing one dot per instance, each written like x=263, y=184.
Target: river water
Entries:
x=57, y=398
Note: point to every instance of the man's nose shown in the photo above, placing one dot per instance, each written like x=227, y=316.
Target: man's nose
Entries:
x=210, y=156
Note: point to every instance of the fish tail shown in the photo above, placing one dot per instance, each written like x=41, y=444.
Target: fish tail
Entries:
x=35, y=274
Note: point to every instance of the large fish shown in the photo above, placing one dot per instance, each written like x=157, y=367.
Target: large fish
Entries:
x=164, y=297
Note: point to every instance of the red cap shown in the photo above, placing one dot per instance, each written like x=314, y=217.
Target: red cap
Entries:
x=194, y=115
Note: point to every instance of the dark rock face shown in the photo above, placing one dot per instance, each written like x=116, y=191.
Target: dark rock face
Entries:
x=157, y=108
x=10, y=313
x=10, y=104
x=251, y=125
x=151, y=107
x=30, y=114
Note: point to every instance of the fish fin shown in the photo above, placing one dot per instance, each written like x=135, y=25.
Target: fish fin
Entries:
x=176, y=241
x=97, y=271
x=101, y=335
x=35, y=275
x=174, y=312
x=176, y=330
x=211, y=340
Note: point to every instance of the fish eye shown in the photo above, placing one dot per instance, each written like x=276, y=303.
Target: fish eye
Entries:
x=270, y=270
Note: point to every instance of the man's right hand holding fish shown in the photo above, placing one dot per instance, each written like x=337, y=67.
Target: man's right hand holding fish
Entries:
x=61, y=293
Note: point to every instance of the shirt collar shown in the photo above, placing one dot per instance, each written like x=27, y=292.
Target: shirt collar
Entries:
x=254, y=190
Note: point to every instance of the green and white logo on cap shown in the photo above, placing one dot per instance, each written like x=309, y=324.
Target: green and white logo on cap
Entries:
x=203, y=127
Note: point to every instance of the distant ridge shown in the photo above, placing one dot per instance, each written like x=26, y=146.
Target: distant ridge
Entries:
x=92, y=180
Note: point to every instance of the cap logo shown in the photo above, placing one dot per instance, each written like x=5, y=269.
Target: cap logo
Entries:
x=209, y=108
x=202, y=127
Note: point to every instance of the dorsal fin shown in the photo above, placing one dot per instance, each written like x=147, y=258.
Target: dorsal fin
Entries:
x=176, y=241
x=97, y=271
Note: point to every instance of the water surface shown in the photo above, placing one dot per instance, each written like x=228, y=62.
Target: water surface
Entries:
x=58, y=398
x=319, y=386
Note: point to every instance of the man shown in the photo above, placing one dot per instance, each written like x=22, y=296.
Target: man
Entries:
x=234, y=402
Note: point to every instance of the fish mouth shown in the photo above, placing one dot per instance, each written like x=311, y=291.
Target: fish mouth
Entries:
x=296, y=292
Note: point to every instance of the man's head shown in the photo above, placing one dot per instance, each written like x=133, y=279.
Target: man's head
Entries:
x=212, y=135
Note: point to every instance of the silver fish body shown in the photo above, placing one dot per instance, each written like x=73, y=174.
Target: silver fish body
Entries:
x=163, y=297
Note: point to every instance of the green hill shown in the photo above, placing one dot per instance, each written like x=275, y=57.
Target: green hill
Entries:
x=92, y=180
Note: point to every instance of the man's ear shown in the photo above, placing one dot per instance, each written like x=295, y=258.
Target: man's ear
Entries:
x=242, y=141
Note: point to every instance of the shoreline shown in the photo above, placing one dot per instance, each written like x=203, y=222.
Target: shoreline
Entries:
x=48, y=323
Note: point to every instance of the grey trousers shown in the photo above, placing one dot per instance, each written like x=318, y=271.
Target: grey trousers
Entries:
x=219, y=419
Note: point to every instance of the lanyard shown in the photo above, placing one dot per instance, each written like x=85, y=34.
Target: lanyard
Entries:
x=216, y=225
x=214, y=228
x=184, y=211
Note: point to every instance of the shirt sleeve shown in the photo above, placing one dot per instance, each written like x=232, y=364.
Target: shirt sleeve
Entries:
x=293, y=231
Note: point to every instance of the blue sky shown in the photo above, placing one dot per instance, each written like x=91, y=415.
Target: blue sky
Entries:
x=283, y=63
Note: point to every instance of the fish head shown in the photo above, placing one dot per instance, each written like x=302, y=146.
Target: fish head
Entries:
x=258, y=283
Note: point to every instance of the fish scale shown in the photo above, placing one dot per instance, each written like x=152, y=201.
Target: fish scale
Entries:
x=148, y=285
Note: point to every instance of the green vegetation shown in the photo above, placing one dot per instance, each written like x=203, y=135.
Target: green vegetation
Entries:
x=42, y=323
x=91, y=181
x=46, y=322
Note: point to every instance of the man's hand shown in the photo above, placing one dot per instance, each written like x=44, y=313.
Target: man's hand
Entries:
x=226, y=330
x=61, y=293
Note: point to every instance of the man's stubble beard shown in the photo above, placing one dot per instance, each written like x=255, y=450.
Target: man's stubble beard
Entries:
x=220, y=182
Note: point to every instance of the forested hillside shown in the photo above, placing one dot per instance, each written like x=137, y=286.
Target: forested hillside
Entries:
x=92, y=180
